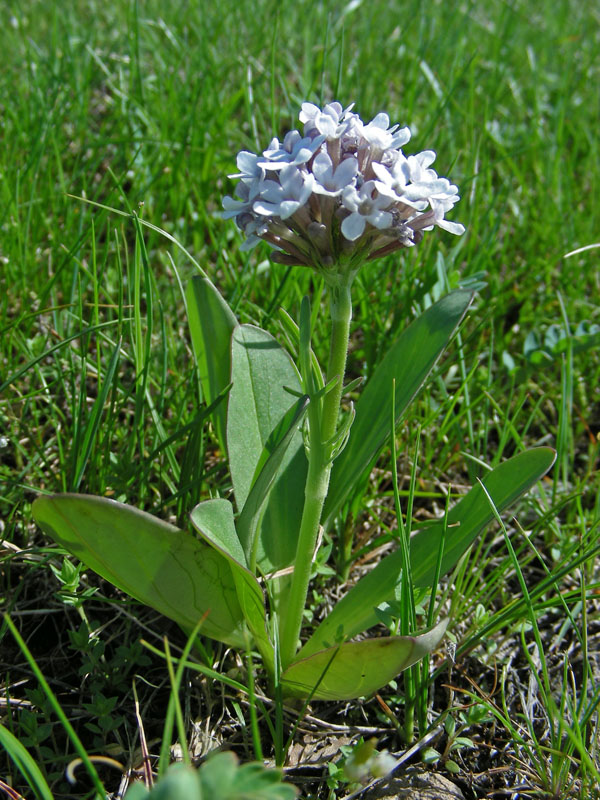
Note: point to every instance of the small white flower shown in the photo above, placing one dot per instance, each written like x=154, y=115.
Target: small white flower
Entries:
x=365, y=205
x=281, y=199
x=254, y=228
x=247, y=163
x=325, y=122
x=247, y=192
x=294, y=150
x=381, y=136
x=329, y=180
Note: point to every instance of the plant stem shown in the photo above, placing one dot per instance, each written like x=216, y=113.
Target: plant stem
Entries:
x=340, y=304
x=323, y=424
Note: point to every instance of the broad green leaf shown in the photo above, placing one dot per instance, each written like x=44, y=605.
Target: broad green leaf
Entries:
x=154, y=562
x=273, y=453
x=357, y=669
x=280, y=522
x=213, y=519
x=260, y=369
x=355, y=612
x=409, y=361
x=211, y=322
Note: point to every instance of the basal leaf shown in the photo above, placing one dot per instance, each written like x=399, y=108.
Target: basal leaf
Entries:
x=355, y=612
x=151, y=560
x=214, y=521
x=260, y=369
x=258, y=401
x=357, y=669
x=505, y=484
x=271, y=458
x=409, y=361
x=211, y=322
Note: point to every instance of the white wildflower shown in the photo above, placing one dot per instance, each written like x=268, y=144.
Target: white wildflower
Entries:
x=340, y=193
x=365, y=206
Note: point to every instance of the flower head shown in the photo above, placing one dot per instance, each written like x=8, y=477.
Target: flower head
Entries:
x=339, y=194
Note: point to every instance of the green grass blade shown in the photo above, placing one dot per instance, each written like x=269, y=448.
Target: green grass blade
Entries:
x=95, y=418
x=25, y=763
x=52, y=699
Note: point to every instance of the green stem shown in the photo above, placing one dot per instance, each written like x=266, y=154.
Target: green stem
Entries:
x=322, y=426
x=340, y=304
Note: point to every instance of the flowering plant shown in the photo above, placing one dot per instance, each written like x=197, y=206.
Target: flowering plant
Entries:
x=337, y=196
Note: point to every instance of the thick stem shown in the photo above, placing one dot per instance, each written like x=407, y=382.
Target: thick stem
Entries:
x=317, y=481
x=341, y=315
x=322, y=429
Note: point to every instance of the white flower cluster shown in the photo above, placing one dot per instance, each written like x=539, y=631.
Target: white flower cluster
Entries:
x=342, y=193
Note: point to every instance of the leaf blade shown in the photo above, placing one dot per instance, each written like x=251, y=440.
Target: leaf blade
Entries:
x=357, y=669
x=149, y=559
x=269, y=463
x=409, y=361
x=258, y=400
x=355, y=612
x=213, y=519
x=211, y=323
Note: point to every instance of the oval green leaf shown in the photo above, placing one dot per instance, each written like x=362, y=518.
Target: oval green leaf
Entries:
x=273, y=554
x=357, y=669
x=154, y=562
x=258, y=401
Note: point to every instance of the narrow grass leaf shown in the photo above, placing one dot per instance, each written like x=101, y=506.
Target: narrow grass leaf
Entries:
x=53, y=701
x=93, y=423
x=25, y=763
x=84, y=332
